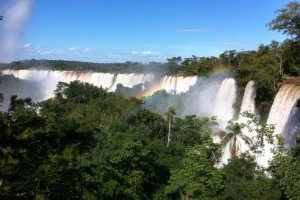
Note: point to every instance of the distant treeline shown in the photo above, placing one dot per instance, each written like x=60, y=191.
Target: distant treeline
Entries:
x=274, y=59
x=126, y=67
x=176, y=65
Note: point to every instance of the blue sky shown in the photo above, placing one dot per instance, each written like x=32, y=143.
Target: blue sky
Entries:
x=144, y=30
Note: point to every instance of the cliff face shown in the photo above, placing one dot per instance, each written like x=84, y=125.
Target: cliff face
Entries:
x=291, y=79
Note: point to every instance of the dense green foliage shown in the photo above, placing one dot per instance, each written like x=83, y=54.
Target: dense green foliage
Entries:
x=286, y=170
x=288, y=20
x=89, y=144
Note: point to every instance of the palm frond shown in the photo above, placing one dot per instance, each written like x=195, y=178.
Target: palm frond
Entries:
x=227, y=138
x=247, y=139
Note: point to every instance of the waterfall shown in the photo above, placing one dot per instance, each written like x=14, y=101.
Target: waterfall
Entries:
x=130, y=80
x=177, y=84
x=282, y=107
x=183, y=84
x=248, y=103
x=284, y=115
x=48, y=80
x=292, y=127
x=171, y=84
x=241, y=147
x=223, y=106
x=168, y=83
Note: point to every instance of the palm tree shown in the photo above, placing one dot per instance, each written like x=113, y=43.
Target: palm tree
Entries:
x=234, y=130
x=170, y=115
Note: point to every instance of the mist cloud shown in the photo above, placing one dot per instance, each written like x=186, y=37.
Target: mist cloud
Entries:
x=15, y=15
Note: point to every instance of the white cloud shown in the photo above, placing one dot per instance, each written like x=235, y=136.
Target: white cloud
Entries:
x=27, y=45
x=148, y=53
x=78, y=49
x=46, y=52
x=192, y=30
x=86, y=49
x=73, y=48
x=187, y=30
x=235, y=44
x=144, y=53
x=88, y=54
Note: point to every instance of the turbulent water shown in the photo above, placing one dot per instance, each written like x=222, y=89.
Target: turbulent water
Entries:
x=282, y=107
x=284, y=115
x=248, y=104
x=202, y=96
x=226, y=97
x=49, y=80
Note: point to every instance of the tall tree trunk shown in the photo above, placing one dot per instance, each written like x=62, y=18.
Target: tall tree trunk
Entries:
x=169, y=133
x=280, y=67
x=233, y=148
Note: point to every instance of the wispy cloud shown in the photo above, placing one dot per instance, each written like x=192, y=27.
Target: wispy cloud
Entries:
x=187, y=30
x=73, y=48
x=144, y=53
x=86, y=49
x=39, y=51
x=88, y=54
x=192, y=48
x=236, y=44
x=78, y=49
x=27, y=45
x=192, y=30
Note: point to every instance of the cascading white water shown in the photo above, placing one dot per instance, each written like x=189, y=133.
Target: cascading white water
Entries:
x=282, y=107
x=171, y=84
x=168, y=83
x=183, y=84
x=283, y=115
x=241, y=147
x=49, y=79
x=223, y=106
x=130, y=80
x=248, y=102
x=292, y=127
x=178, y=84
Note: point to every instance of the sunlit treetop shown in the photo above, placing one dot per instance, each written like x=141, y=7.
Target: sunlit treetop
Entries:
x=288, y=20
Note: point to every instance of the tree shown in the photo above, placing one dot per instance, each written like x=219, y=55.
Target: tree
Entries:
x=191, y=130
x=170, y=115
x=173, y=64
x=228, y=58
x=243, y=179
x=234, y=130
x=174, y=60
x=197, y=178
x=288, y=20
x=285, y=169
